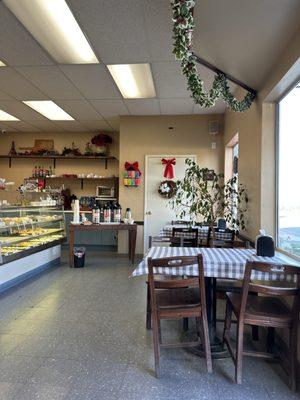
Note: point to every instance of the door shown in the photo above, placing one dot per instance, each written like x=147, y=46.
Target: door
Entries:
x=158, y=211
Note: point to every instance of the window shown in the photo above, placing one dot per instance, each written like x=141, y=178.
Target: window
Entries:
x=288, y=169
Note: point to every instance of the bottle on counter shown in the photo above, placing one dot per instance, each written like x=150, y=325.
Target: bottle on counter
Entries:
x=94, y=213
x=128, y=215
x=117, y=213
x=101, y=214
x=107, y=213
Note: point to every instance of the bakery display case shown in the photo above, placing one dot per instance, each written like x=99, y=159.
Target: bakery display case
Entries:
x=28, y=230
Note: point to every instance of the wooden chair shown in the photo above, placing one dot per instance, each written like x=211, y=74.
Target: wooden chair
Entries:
x=180, y=222
x=184, y=237
x=267, y=311
x=185, y=300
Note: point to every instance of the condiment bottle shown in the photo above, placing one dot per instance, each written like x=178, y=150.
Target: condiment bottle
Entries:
x=107, y=213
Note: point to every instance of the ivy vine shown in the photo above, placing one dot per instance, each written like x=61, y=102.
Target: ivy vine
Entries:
x=183, y=27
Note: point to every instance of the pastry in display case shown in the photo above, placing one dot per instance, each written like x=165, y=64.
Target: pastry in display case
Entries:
x=27, y=230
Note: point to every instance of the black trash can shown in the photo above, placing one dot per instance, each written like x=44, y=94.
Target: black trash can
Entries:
x=79, y=257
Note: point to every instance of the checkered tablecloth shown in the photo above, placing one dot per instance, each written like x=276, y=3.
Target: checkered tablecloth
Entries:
x=202, y=233
x=218, y=263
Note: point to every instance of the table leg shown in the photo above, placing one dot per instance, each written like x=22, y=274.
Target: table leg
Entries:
x=71, y=246
x=132, y=244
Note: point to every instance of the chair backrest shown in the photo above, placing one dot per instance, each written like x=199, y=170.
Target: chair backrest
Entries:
x=164, y=265
x=189, y=235
x=235, y=244
x=224, y=234
x=180, y=222
x=275, y=289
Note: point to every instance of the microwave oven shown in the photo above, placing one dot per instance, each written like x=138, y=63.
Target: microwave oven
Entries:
x=105, y=191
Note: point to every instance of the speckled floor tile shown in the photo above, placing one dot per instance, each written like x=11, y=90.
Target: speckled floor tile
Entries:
x=80, y=335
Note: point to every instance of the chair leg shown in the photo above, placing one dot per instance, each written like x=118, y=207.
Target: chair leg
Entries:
x=227, y=324
x=185, y=324
x=293, y=351
x=239, y=353
x=206, y=344
x=255, y=333
x=270, y=339
x=148, y=311
x=156, y=347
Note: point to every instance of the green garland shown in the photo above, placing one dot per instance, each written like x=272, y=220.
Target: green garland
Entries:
x=183, y=27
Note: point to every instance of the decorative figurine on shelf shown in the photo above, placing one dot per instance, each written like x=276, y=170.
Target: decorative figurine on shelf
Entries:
x=88, y=149
x=74, y=151
x=12, y=151
x=132, y=174
x=99, y=144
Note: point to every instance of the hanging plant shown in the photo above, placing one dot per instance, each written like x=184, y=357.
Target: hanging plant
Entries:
x=183, y=28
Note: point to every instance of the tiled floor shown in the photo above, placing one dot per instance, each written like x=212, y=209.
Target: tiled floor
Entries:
x=80, y=334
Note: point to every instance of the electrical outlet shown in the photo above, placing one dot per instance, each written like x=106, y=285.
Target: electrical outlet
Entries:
x=213, y=145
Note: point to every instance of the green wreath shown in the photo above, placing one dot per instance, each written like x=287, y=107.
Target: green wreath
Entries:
x=183, y=27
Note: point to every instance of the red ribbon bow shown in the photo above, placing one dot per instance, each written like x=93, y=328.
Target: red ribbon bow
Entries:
x=169, y=171
x=132, y=167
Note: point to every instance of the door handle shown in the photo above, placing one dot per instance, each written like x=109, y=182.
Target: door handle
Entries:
x=148, y=213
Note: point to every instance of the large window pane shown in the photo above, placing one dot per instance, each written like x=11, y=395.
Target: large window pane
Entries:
x=288, y=173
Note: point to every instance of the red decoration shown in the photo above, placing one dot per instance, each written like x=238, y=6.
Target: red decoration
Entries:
x=132, y=167
x=169, y=170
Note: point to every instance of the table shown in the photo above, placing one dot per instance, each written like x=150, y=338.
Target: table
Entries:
x=218, y=263
x=203, y=232
x=131, y=228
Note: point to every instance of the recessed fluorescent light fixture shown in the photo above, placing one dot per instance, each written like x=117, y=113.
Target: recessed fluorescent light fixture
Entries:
x=134, y=81
x=2, y=64
x=53, y=25
x=4, y=116
x=50, y=110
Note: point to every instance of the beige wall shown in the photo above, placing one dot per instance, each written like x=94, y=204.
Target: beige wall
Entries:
x=140, y=136
x=23, y=168
x=256, y=129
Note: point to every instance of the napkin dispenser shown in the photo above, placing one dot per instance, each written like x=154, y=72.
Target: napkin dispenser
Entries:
x=265, y=245
x=222, y=224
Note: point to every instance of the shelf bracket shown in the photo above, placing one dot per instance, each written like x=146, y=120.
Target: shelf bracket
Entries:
x=81, y=184
x=54, y=162
x=106, y=163
x=9, y=162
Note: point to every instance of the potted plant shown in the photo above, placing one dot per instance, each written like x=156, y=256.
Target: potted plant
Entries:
x=204, y=196
x=99, y=144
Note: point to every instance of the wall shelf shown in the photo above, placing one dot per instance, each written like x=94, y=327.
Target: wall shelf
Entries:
x=82, y=180
x=54, y=158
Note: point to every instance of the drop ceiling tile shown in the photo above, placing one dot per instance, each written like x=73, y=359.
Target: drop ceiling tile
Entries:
x=110, y=109
x=169, y=81
x=4, y=96
x=143, y=106
x=51, y=81
x=22, y=126
x=115, y=29
x=17, y=86
x=46, y=126
x=219, y=108
x=21, y=111
x=115, y=125
x=79, y=109
x=8, y=129
x=95, y=126
x=176, y=106
x=93, y=81
x=71, y=126
x=158, y=25
x=17, y=46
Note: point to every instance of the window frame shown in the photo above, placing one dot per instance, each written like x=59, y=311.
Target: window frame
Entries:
x=277, y=160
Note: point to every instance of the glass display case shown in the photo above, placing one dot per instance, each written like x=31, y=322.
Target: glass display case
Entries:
x=28, y=230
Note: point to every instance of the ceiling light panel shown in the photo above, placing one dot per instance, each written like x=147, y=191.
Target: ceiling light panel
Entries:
x=134, y=81
x=53, y=25
x=4, y=116
x=2, y=64
x=50, y=110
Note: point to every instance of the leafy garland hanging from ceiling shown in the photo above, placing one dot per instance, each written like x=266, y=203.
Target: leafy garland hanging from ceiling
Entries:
x=183, y=27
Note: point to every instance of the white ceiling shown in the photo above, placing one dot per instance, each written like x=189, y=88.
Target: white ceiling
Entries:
x=243, y=37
